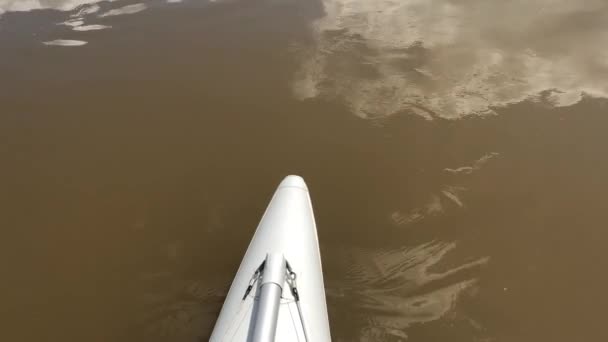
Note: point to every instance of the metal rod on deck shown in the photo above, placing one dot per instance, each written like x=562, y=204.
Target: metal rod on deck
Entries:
x=271, y=289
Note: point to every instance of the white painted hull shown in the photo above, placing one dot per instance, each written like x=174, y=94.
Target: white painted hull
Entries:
x=287, y=228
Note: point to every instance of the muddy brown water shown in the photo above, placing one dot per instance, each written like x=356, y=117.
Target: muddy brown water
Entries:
x=455, y=153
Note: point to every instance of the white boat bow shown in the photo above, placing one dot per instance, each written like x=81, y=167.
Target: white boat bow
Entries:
x=278, y=292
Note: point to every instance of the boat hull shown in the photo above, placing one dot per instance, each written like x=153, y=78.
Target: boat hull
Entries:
x=287, y=228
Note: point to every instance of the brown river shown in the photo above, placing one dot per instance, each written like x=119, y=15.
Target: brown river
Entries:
x=455, y=151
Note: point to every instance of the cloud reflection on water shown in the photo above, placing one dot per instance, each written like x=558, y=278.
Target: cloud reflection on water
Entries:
x=65, y=42
x=31, y=5
x=83, y=11
x=129, y=9
x=448, y=59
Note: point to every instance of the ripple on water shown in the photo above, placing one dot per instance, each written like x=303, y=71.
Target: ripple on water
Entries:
x=180, y=309
x=393, y=289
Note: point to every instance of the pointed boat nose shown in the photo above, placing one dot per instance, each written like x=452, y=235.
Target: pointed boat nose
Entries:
x=287, y=229
x=293, y=182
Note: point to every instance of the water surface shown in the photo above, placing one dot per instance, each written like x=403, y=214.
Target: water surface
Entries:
x=455, y=153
